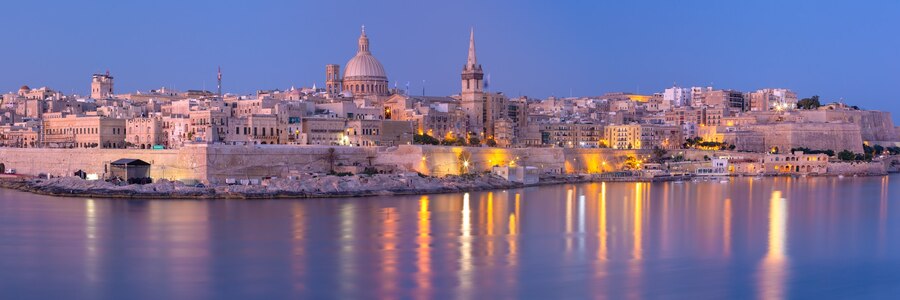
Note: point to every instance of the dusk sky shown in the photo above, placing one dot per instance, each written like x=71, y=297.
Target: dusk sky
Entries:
x=836, y=49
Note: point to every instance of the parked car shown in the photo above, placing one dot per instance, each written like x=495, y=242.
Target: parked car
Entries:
x=11, y=171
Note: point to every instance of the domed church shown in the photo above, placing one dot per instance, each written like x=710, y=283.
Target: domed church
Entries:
x=363, y=74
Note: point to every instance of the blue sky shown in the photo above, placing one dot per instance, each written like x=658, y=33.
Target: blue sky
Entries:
x=836, y=49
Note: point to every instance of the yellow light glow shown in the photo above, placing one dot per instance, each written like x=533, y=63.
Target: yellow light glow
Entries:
x=638, y=221
x=772, y=270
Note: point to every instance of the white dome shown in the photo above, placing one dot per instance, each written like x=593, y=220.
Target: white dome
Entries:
x=364, y=65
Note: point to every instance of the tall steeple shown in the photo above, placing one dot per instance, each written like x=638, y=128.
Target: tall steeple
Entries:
x=219, y=83
x=472, y=61
x=472, y=96
x=472, y=74
x=363, y=41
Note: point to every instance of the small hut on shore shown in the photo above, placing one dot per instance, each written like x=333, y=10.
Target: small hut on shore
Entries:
x=130, y=170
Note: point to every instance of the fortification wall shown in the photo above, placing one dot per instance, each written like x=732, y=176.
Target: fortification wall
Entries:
x=873, y=125
x=258, y=161
x=216, y=163
x=818, y=136
x=440, y=161
x=185, y=163
x=856, y=168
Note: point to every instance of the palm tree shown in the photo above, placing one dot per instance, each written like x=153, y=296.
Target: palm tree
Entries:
x=331, y=157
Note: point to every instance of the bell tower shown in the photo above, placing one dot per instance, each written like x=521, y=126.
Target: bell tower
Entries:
x=101, y=86
x=472, y=96
x=333, y=79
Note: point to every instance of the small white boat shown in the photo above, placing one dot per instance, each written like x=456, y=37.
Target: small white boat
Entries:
x=840, y=176
x=723, y=181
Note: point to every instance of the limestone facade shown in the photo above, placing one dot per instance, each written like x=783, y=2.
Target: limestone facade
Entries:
x=83, y=132
x=101, y=86
x=144, y=133
x=874, y=126
x=796, y=163
x=643, y=136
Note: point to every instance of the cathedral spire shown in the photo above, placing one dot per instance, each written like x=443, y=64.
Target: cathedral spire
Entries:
x=363, y=41
x=472, y=61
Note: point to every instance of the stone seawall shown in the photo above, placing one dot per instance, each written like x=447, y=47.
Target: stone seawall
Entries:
x=216, y=163
x=440, y=161
x=856, y=168
x=255, y=162
x=186, y=163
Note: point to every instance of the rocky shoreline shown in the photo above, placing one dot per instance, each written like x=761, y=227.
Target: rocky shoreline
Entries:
x=307, y=186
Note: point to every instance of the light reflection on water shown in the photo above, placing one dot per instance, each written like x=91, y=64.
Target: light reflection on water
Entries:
x=769, y=238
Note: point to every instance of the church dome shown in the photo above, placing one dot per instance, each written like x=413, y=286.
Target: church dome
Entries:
x=364, y=65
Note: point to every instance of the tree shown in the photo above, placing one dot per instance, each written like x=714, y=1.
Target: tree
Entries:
x=448, y=141
x=893, y=150
x=631, y=163
x=474, y=141
x=810, y=151
x=331, y=156
x=659, y=154
x=846, y=155
x=491, y=142
x=425, y=139
x=809, y=103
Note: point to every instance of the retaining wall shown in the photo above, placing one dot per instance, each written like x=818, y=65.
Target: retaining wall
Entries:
x=215, y=163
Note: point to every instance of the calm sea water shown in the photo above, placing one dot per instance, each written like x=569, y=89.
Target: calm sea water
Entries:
x=766, y=238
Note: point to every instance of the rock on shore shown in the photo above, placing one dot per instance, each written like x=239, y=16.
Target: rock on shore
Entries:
x=306, y=186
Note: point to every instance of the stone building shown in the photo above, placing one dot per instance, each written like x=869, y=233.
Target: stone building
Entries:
x=208, y=126
x=472, y=98
x=175, y=130
x=782, y=137
x=875, y=126
x=101, y=86
x=333, y=81
x=363, y=74
x=364, y=133
x=504, y=133
x=643, y=136
x=571, y=135
x=733, y=100
x=796, y=163
x=324, y=131
x=72, y=131
x=772, y=99
x=394, y=133
x=19, y=137
x=253, y=129
x=144, y=133
x=434, y=116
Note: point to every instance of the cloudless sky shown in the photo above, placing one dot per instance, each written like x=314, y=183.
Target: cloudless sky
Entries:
x=836, y=49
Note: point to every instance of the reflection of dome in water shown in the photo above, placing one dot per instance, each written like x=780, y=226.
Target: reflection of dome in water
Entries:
x=364, y=74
